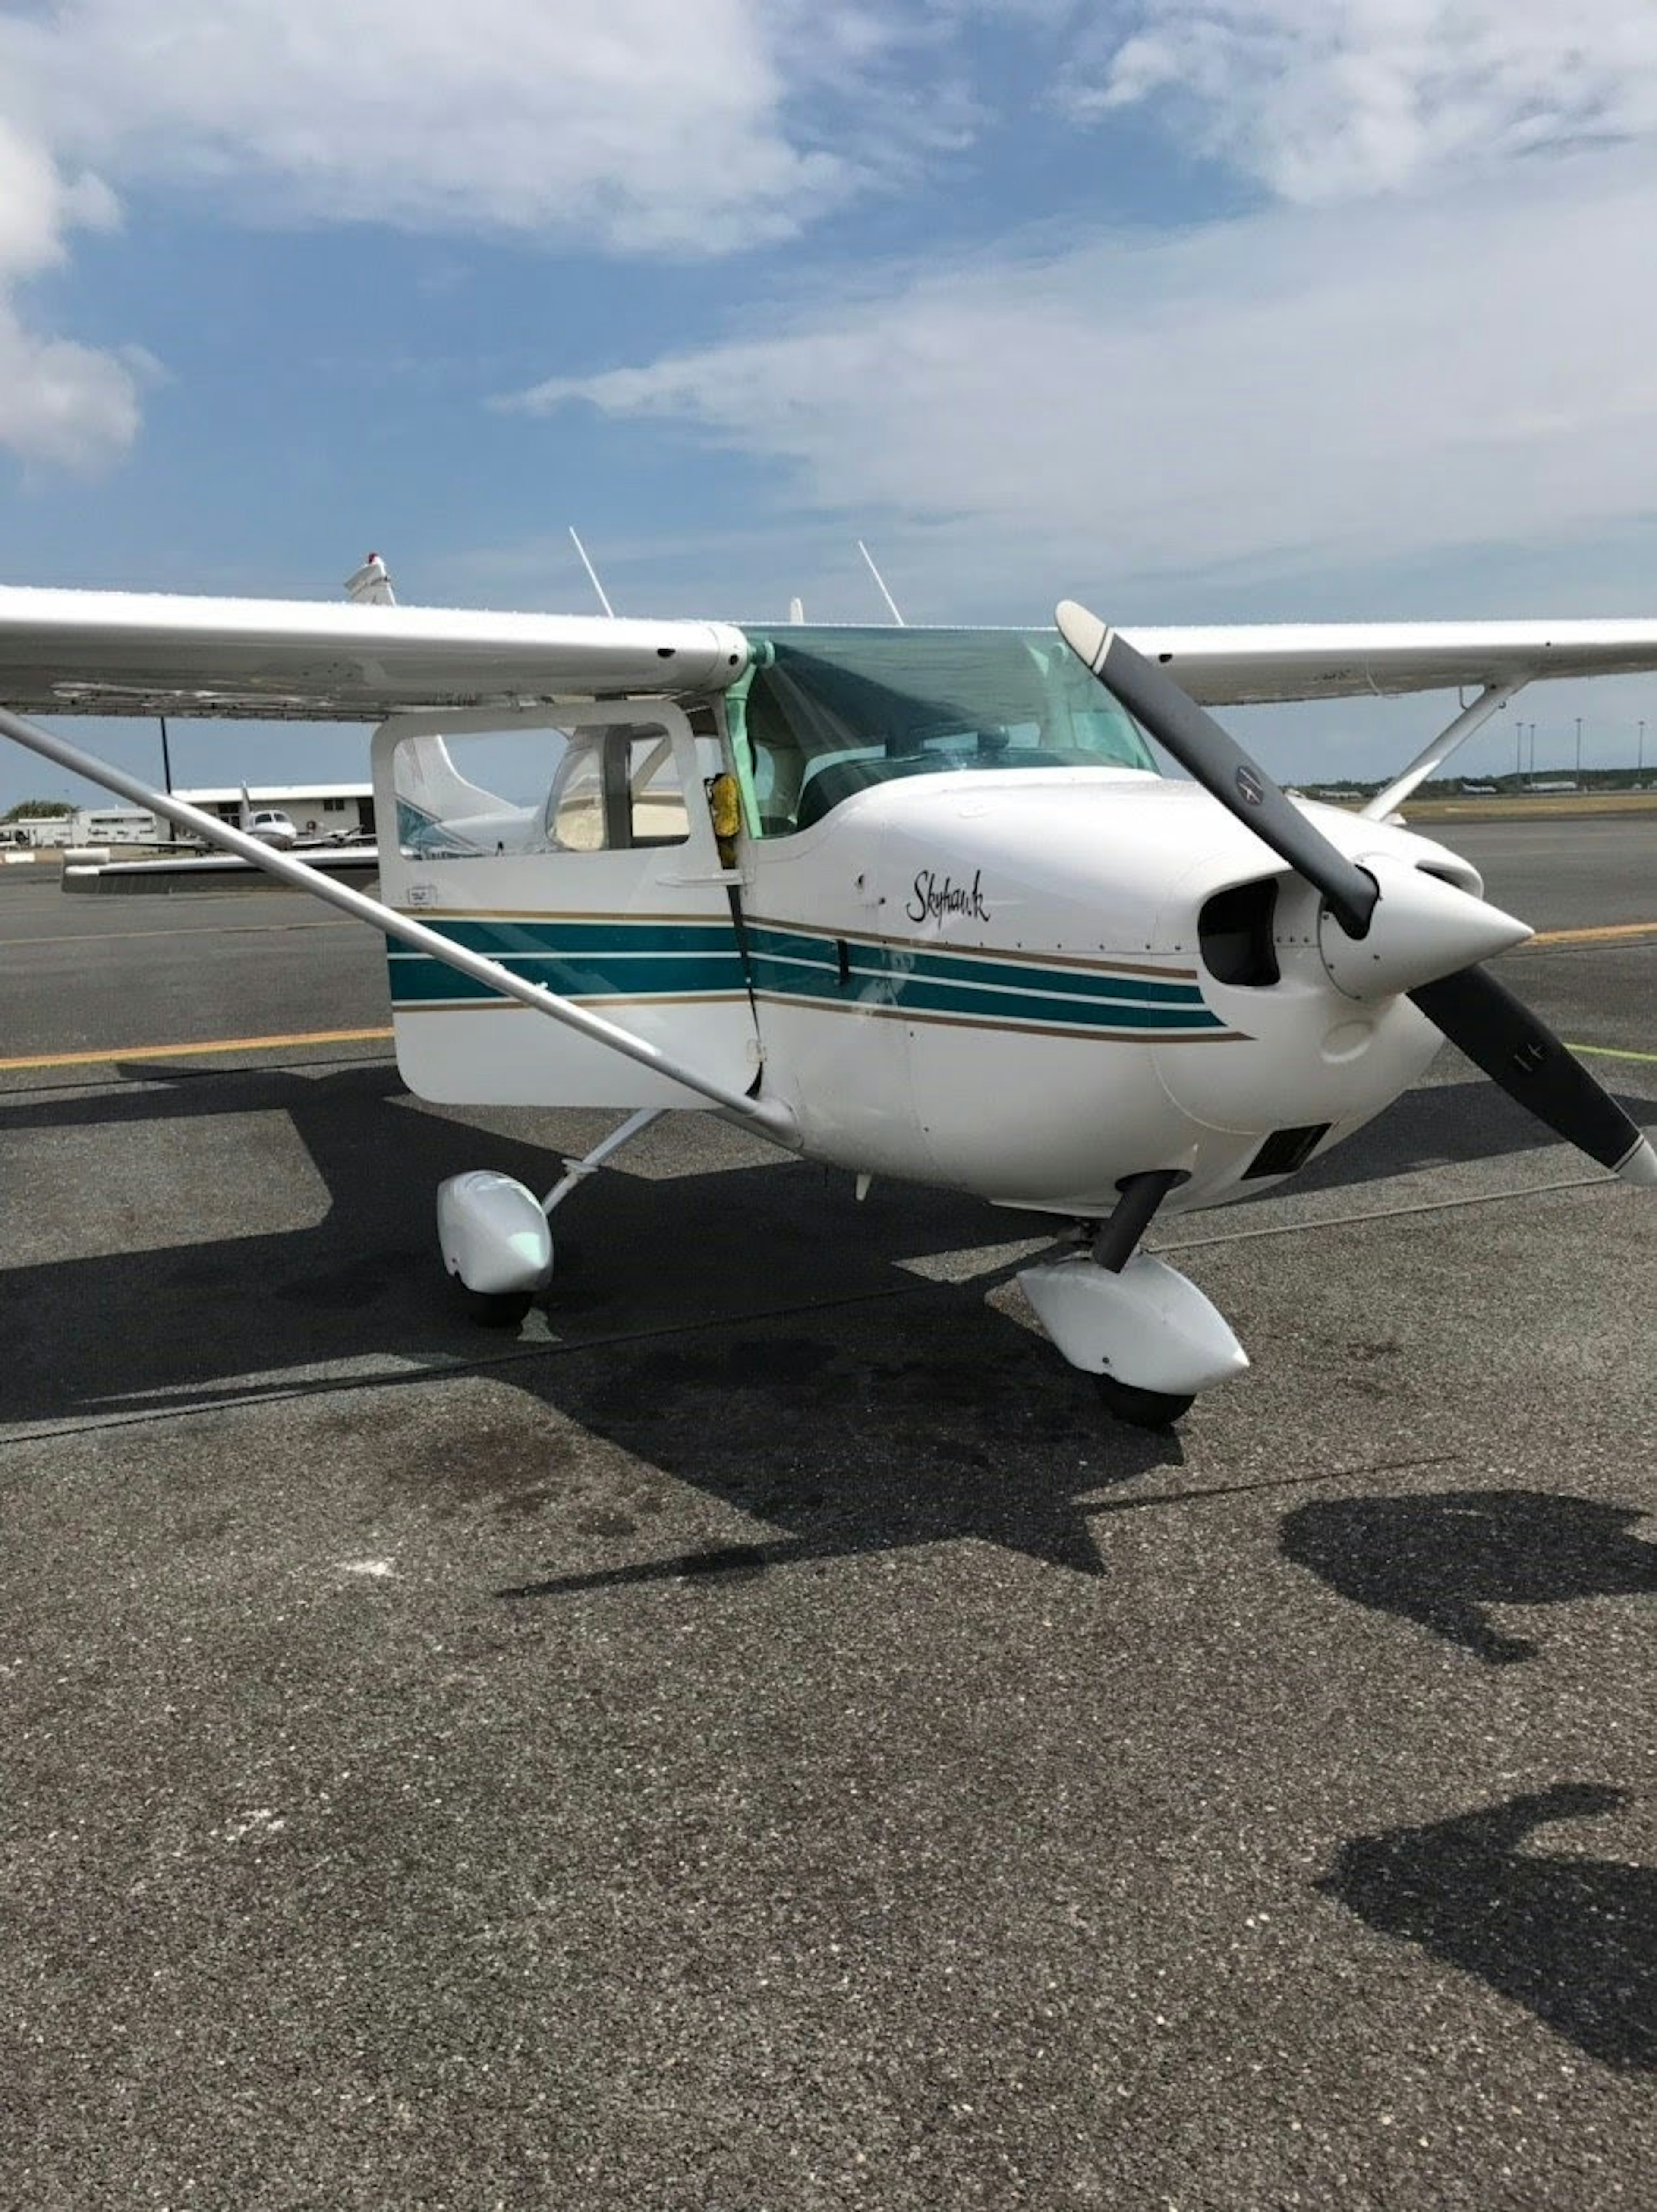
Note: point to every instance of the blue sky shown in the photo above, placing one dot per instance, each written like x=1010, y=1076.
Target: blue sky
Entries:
x=1194, y=309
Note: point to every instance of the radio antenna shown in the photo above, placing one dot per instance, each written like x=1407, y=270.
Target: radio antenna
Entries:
x=881, y=580
x=592, y=573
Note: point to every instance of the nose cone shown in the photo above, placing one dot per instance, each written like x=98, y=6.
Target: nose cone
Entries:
x=1422, y=928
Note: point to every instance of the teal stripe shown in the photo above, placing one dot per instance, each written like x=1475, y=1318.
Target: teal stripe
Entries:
x=619, y=965
x=1075, y=1013
x=910, y=994
x=419, y=978
x=993, y=973
x=652, y=959
x=577, y=959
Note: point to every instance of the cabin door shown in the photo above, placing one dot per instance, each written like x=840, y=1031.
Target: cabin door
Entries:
x=574, y=844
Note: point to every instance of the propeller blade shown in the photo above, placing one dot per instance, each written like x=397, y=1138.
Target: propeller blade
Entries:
x=1224, y=771
x=1518, y=1051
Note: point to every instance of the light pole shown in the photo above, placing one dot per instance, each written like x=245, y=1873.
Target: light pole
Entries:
x=1578, y=749
x=1640, y=757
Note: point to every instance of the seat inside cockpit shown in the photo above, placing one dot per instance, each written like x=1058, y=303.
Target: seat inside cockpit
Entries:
x=615, y=790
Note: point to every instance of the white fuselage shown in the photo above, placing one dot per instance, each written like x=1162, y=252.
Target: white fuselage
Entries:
x=997, y=984
x=999, y=980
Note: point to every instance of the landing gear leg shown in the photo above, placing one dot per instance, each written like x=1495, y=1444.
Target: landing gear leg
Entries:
x=1113, y=1246
x=1118, y=1239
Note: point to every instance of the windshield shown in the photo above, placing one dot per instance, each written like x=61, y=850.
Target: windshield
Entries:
x=822, y=713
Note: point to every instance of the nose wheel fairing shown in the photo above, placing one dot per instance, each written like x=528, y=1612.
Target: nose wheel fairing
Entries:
x=1148, y=1327
x=1151, y=1338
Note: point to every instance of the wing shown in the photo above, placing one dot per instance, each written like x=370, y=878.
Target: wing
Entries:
x=1235, y=667
x=117, y=652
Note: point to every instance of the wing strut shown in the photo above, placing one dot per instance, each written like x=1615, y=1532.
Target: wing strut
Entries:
x=1490, y=700
x=767, y=1115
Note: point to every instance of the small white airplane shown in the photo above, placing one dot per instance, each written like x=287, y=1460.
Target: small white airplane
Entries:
x=269, y=824
x=916, y=902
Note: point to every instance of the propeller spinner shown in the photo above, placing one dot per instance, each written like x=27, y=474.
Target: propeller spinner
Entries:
x=1421, y=936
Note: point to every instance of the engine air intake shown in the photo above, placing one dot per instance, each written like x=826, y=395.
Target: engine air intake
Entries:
x=1234, y=934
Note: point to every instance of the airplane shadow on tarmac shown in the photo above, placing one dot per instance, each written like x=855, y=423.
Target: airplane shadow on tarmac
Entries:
x=1572, y=1940
x=836, y=1437
x=808, y=1363
x=750, y=1329
x=1441, y=1561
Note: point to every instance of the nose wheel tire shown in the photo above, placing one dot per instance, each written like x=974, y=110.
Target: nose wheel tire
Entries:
x=495, y=1309
x=1142, y=1409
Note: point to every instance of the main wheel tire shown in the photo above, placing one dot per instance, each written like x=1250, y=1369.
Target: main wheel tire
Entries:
x=1142, y=1409
x=495, y=1309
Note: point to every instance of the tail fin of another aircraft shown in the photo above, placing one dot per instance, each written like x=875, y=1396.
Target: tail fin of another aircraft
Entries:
x=370, y=585
x=431, y=794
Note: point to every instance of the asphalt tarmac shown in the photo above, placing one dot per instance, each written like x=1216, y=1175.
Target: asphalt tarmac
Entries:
x=760, y=1736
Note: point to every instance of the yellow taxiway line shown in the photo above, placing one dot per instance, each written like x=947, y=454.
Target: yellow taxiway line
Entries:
x=1612, y=1052
x=194, y=1051
x=228, y=929
x=1610, y=933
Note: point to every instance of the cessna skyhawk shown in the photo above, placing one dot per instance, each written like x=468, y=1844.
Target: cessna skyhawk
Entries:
x=916, y=902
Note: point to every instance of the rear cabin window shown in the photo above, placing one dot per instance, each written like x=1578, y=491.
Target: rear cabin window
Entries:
x=612, y=788
x=821, y=714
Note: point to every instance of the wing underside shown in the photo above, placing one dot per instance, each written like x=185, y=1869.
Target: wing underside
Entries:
x=111, y=652
x=1259, y=665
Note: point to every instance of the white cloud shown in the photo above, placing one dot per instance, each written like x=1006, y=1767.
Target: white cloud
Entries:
x=1325, y=100
x=625, y=123
x=1287, y=393
x=649, y=125
x=59, y=402
x=1430, y=355
x=652, y=127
